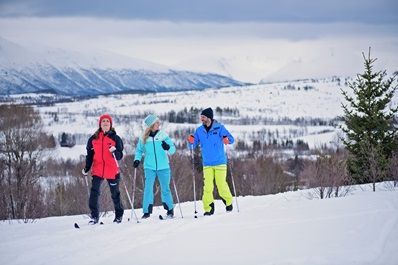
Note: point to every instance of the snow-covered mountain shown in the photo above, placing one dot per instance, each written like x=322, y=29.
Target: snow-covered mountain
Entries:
x=246, y=68
x=40, y=69
x=309, y=62
x=287, y=228
x=270, y=69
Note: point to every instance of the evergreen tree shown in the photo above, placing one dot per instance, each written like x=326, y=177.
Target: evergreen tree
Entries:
x=371, y=135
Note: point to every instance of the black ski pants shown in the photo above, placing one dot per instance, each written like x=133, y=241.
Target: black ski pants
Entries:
x=95, y=193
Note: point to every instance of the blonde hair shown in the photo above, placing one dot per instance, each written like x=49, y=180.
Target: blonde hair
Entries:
x=147, y=132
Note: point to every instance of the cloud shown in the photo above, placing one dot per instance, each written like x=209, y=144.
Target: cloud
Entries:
x=85, y=27
x=248, y=51
x=289, y=11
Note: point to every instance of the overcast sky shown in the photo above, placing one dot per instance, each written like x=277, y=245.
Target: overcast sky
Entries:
x=312, y=11
x=266, y=34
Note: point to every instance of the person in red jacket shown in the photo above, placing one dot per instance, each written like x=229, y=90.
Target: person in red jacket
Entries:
x=104, y=148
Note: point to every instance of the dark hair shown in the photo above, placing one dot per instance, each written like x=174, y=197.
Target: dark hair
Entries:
x=96, y=134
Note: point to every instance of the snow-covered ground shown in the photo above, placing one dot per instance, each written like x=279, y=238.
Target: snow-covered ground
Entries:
x=321, y=99
x=264, y=107
x=288, y=228
x=306, y=99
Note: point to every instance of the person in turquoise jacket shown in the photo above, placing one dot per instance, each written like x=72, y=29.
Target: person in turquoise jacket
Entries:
x=212, y=136
x=156, y=145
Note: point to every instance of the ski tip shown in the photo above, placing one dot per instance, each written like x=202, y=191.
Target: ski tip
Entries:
x=161, y=217
x=76, y=226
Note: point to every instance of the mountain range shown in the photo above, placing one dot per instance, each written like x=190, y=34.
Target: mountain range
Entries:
x=41, y=69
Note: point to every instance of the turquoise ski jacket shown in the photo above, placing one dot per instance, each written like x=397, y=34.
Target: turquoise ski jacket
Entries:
x=156, y=158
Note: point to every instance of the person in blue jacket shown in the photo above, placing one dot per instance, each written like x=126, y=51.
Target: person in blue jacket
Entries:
x=156, y=145
x=212, y=136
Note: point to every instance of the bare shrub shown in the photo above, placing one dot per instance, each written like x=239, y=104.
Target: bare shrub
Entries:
x=393, y=168
x=258, y=176
x=22, y=145
x=327, y=175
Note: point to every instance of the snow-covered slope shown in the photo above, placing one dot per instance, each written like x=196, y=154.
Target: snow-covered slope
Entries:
x=257, y=68
x=246, y=68
x=281, y=63
x=288, y=228
x=38, y=69
x=317, y=66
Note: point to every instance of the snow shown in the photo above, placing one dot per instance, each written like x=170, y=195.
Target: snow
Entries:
x=288, y=228
x=20, y=56
x=271, y=102
x=72, y=153
x=315, y=141
x=37, y=68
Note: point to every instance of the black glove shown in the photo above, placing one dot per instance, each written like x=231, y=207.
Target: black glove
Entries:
x=165, y=145
x=136, y=163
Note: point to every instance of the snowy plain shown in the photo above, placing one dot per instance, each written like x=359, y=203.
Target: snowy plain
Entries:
x=270, y=104
x=288, y=228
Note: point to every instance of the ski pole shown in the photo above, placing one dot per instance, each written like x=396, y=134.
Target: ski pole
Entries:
x=88, y=189
x=193, y=179
x=131, y=203
x=178, y=199
x=127, y=192
x=232, y=178
x=134, y=178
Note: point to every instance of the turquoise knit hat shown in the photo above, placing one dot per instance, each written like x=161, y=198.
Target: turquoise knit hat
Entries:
x=150, y=120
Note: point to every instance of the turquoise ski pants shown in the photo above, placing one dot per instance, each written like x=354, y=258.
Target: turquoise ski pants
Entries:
x=164, y=180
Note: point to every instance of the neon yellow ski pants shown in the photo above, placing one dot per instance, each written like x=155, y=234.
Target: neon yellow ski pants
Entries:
x=218, y=173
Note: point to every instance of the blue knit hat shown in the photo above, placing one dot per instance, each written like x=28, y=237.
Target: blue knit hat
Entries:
x=150, y=120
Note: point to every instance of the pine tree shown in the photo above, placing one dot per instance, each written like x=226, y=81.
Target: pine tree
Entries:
x=371, y=135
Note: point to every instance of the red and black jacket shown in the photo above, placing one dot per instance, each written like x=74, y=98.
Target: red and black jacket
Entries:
x=100, y=159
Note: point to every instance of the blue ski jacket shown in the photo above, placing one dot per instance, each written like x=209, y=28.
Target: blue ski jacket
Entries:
x=211, y=143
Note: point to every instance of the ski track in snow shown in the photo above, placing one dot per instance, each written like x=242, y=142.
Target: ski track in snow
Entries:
x=288, y=228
